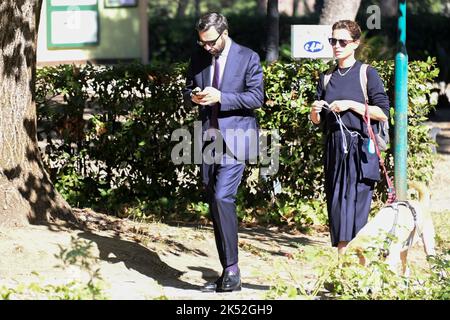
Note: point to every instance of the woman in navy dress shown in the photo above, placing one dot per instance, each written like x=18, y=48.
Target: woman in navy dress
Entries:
x=351, y=165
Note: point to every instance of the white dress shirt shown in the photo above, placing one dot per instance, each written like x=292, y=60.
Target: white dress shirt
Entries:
x=222, y=61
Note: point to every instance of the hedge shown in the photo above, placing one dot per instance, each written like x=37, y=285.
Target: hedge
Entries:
x=108, y=140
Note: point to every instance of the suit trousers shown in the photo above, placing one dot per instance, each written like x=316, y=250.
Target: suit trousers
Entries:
x=221, y=182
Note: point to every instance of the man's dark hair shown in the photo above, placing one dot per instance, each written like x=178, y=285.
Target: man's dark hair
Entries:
x=212, y=19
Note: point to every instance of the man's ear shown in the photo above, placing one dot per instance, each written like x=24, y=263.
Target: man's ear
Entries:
x=357, y=42
x=225, y=32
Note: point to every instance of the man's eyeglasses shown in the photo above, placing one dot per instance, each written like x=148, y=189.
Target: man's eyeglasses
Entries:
x=209, y=43
x=342, y=42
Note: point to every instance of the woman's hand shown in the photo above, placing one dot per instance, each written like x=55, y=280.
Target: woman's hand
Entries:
x=340, y=105
x=317, y=106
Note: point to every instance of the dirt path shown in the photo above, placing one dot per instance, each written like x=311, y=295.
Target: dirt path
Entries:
x=170, y=261
x=150, y=261
x=441, y=178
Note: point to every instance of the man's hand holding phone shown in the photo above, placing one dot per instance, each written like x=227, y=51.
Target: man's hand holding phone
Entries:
x=197, y=95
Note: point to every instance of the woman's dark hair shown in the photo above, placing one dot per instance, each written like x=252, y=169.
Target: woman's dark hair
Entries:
x=351, y=26
x=213, y=19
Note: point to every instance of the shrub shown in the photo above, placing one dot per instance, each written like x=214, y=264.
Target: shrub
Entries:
x=109, y=136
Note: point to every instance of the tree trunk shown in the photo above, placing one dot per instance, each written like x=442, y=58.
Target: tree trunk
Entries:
x=26, y=193
x=304, y=7
x=181, y=9
x=197, y=8
x=295, y=8
x=318, y=6
x=335, y=10
x=273, y=36
x=261, y=8
x=389, y=8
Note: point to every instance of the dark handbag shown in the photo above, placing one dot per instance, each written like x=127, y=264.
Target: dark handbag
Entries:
x=369, y=161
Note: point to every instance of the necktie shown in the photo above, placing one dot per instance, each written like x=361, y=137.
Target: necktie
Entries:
x=214, y=122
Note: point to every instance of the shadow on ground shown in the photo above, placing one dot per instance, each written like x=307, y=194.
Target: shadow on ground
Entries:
x=138, y=258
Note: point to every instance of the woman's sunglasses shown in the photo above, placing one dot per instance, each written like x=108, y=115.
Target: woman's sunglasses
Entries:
x=342, y=42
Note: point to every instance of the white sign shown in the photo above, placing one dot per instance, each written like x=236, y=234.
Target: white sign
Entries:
x=74, y=27
x=311, y=41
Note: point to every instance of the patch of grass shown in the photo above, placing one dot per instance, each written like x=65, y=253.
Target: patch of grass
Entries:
x=314, y=255
x=441, y=221
x=304, y=277
x=321, y=275
x=377, y=282
x=250, y=248
x=78, y=256
x=289, y=282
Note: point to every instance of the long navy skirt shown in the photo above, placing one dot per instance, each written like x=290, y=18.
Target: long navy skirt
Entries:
x=348, y=192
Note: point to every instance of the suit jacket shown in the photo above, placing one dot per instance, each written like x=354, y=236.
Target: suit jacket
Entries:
x=242, y=91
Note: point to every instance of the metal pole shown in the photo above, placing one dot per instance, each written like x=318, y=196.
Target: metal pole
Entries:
x=401, y=106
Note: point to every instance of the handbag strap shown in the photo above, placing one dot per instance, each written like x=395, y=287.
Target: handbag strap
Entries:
x=392, y=197
x=363, y=80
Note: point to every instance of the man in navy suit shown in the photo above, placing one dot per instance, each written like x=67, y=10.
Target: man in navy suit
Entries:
x=226, y=81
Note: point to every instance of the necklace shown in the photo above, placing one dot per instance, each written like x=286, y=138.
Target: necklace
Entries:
x=343, y=74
